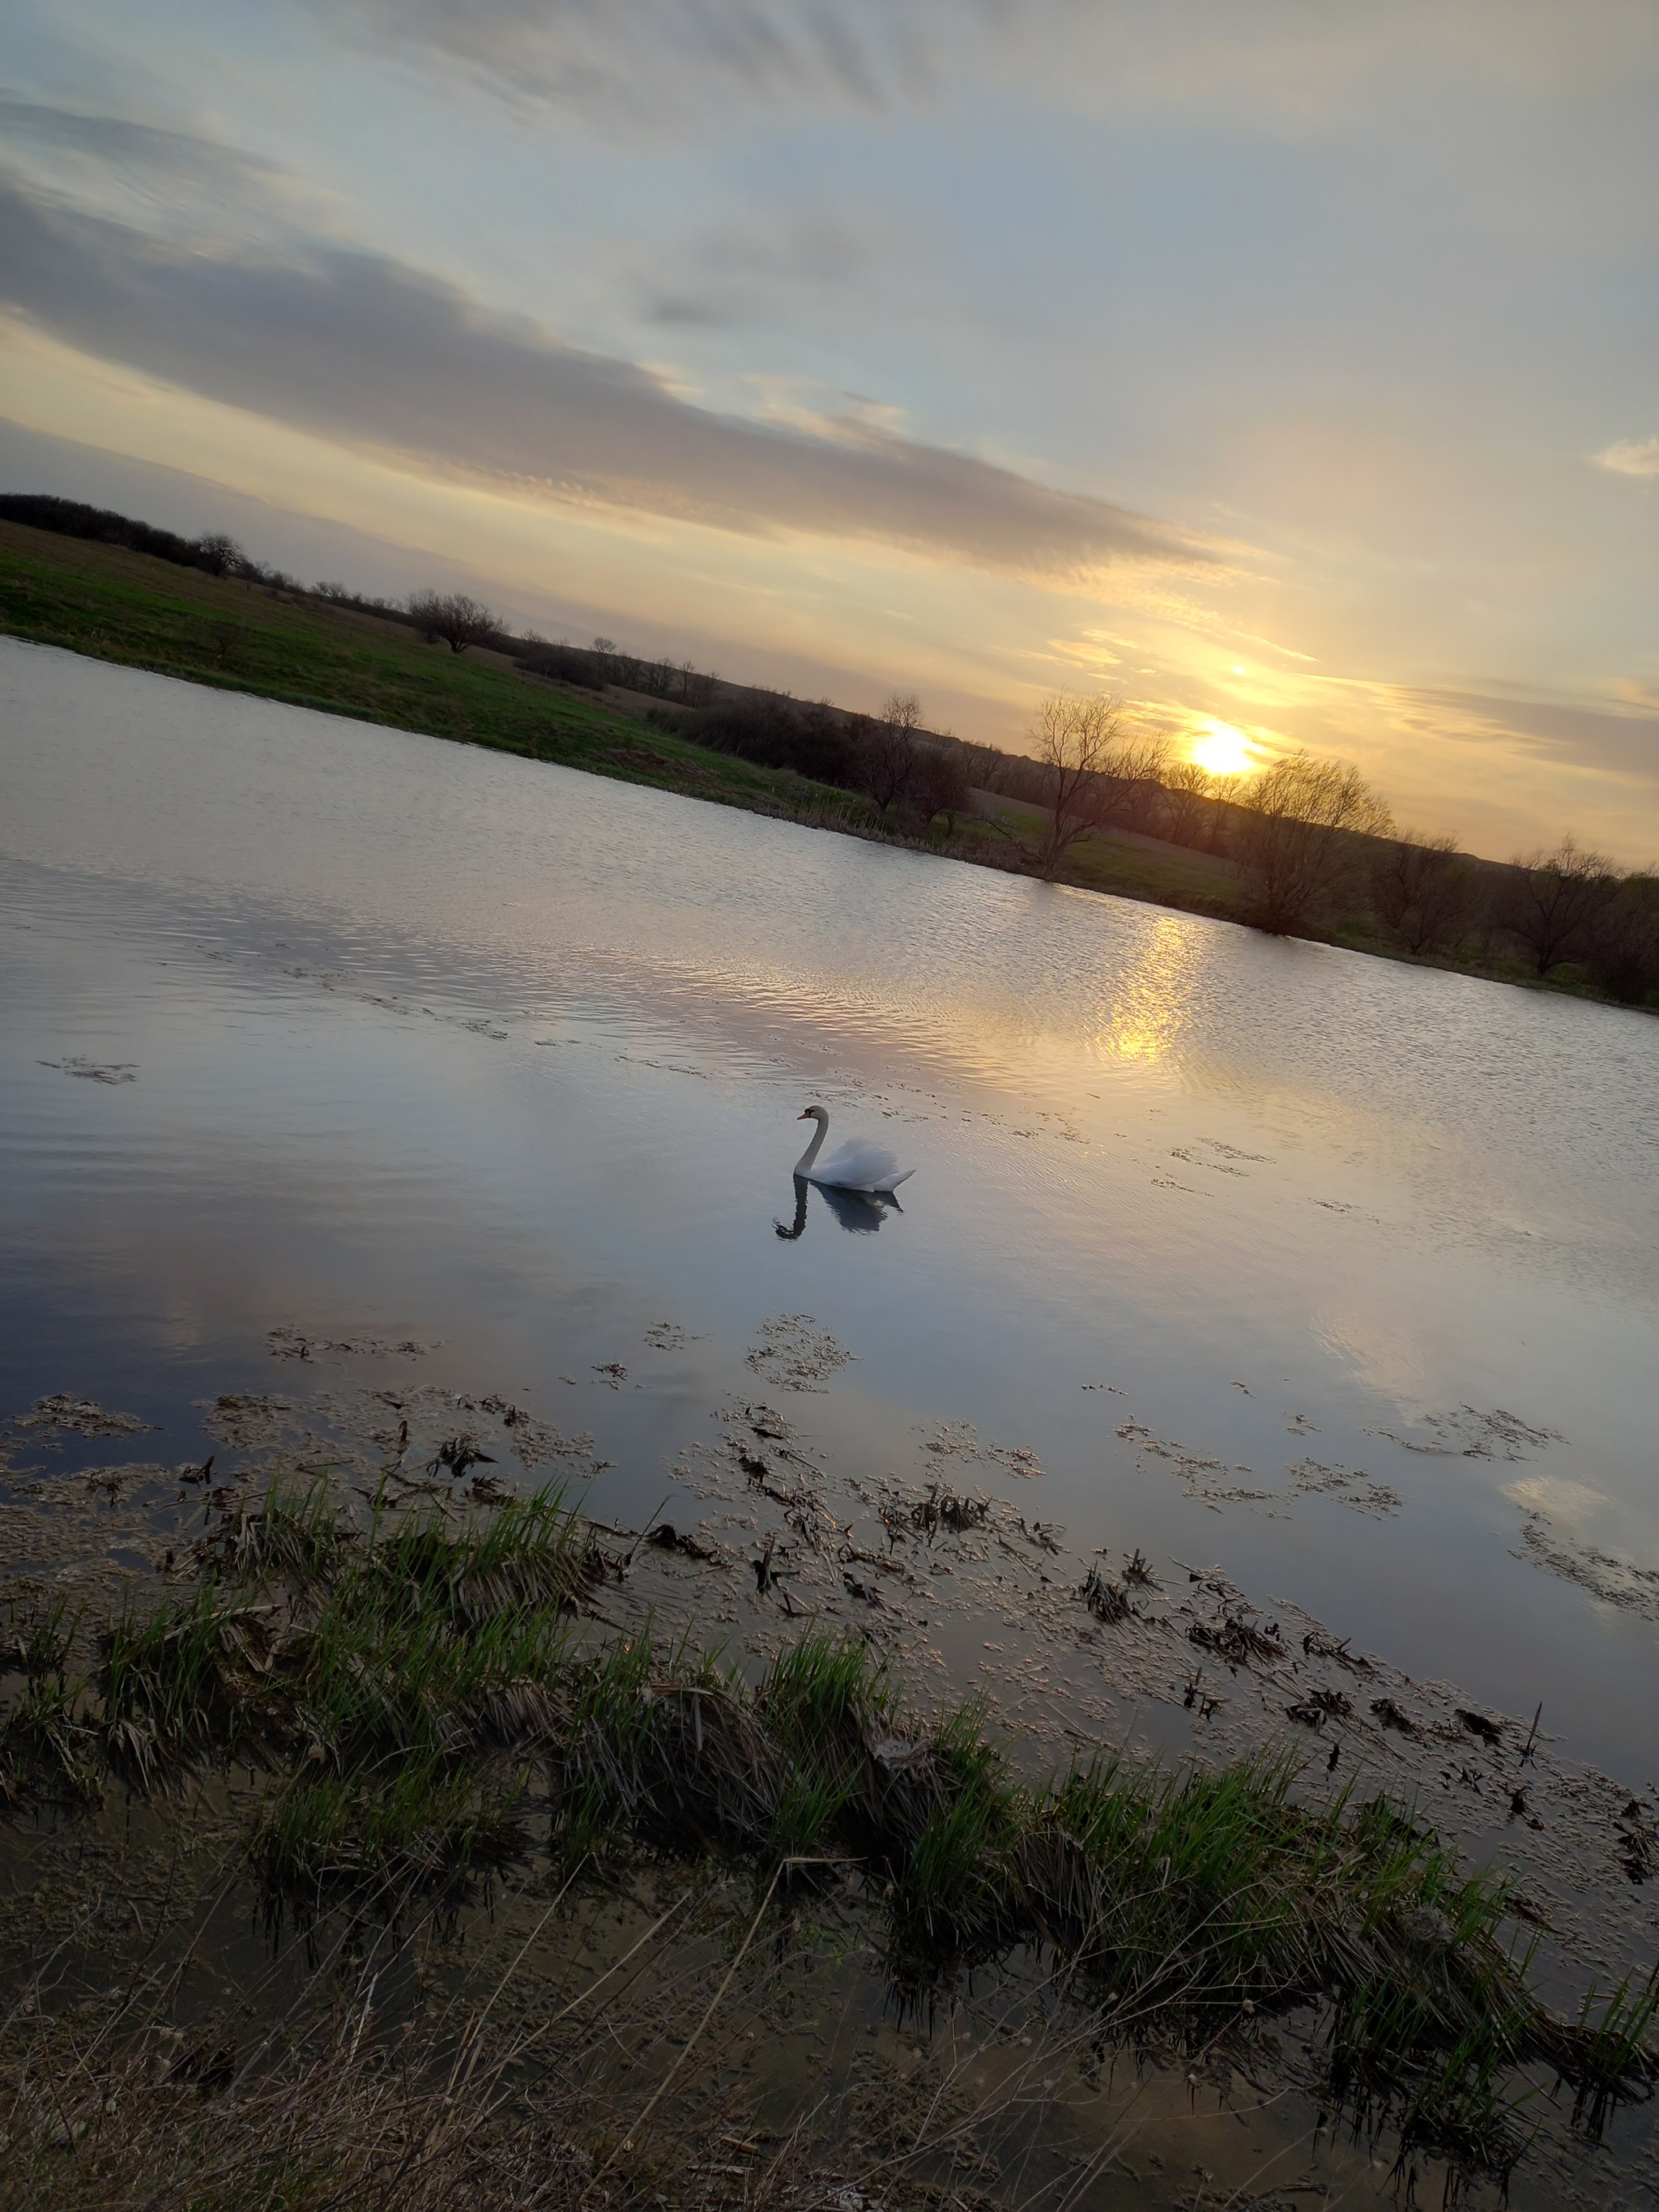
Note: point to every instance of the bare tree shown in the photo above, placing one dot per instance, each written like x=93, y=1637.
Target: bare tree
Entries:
x=219, y=555
x=451, y=618
x=1187, y=816
x=1624, y=957
x=1421, y=888
x=1295, y=845
x=940, y=784
x=230, y=640
x=1555, y=899
x=1074, y=738
x=1095, y=773
x=890, y=750
x=981, y=765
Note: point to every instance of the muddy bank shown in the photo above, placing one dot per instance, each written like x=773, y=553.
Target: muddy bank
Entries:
x=546, y=1707
x=951, y=1574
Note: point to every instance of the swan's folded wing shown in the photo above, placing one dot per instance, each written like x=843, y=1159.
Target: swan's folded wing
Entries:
x=859, y=1165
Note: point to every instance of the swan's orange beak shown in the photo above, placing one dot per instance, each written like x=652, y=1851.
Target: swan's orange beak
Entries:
x=805, y=1117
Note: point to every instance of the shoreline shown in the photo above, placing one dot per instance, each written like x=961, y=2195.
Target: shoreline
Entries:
x=133, y=610
x=291, y=1639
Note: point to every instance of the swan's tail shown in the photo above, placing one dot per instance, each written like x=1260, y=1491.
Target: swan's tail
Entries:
x=898, y=1180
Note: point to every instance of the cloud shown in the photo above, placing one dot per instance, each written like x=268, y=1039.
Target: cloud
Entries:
x=672, y=64
x=659, y=59
x=1635, y=457
x=735, y=271
x=174, y=181
x=1622, y=744
x=364, y=350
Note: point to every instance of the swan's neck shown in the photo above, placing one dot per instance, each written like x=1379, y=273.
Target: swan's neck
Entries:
x=814, y=1148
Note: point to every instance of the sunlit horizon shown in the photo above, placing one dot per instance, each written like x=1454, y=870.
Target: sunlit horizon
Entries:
x=1229, y=358
x=1223, y=751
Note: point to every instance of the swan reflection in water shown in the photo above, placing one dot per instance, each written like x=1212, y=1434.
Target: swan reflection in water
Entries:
x=856, y=1183
x=861, y=1211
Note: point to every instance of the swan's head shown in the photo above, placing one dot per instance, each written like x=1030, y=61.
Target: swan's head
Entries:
x=816, y=1114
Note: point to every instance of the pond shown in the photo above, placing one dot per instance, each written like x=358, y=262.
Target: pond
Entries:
x=1335, y=1275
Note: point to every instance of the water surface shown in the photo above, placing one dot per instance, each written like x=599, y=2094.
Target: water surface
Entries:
x=1338, y=1273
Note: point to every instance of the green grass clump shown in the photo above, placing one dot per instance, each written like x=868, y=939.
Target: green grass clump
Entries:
x=435, y=1646
x=46, y=1744
x=419, y=1700
x=421, y=1827
x=528, y=1552
x=296, y=1538
x=183, y=1685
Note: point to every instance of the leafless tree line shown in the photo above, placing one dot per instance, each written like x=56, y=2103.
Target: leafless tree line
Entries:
x=913, y=781
x=1313, y=846
x=1574, y=906
x=1311, y=843
x=678, y=681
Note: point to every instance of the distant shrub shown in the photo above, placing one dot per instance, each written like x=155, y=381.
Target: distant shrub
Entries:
x=773, y=732
x=1301, y=838
x=1624, y=957
x=1420, y=886
x=940, y=785
x=102, y=526
x=1557, y=903
x=568, y=663
x=452, y=619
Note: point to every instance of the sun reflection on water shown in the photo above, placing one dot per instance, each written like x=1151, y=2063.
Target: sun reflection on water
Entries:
x=1152, y=1000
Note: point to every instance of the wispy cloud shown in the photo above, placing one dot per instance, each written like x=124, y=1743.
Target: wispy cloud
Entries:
x=674, y=65
x=363, y=349
x=178, y=182
x=1564, y=733
x=1634, y=457
x=734, y=271
x=584, y=54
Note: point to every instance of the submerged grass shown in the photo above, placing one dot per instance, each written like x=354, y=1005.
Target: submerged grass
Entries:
x=45, y=1743
x=421, y=1698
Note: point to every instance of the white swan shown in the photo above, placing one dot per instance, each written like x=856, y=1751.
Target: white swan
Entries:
x=859, y=1165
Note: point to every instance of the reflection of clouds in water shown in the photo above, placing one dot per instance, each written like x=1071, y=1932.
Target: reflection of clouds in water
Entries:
x=1559, y=1497
x=860, y=1213
x=1615, y=1581
x=1153, y=996
x=1378, y=1353
x=1615, y=1535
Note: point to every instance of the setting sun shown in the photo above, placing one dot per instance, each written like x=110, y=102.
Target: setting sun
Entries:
x=1223, y=750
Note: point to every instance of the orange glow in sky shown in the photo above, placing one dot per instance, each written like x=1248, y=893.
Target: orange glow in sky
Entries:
x=1222, y=749
x=779, y=353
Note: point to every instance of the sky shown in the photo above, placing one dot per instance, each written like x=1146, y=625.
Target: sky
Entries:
x=1287, y=369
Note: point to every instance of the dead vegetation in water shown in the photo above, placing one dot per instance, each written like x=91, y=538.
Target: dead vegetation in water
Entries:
x=422, y=1693
x=671, y=2043
x=794, y=1353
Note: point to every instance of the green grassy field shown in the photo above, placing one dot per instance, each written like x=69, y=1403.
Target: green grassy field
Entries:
x=129, y=607
x=1129, y=866
x=236, y=637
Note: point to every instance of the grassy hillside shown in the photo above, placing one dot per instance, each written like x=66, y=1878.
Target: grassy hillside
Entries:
x=129, y=607
x=1126, y=863
x=242, y=636
x=257, y=636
